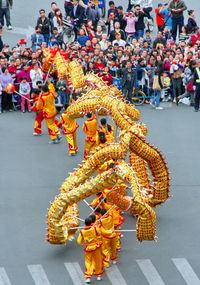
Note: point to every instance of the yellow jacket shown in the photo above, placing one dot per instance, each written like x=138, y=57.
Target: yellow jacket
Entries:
x=110, y=136
x=46, y=104
x=90, y=236
x=69, y=124
x=107, y=226
x=90, y=128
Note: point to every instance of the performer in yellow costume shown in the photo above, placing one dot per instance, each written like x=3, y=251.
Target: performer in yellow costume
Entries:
x=90, y=128
x=93, y=252
x=110, y=134
x=70, y=127
x=108, y=130
x=46, y=104
x=110, y=238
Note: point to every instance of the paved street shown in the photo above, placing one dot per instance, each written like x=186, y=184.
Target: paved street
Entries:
x=31, y=174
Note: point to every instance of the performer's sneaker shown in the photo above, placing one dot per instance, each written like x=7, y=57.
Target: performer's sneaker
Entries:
x=88, y=281
x=114, y=261
x=36, y=134
x=54, y=142
x=59, y=137
x=72, y=154
x=99, y=278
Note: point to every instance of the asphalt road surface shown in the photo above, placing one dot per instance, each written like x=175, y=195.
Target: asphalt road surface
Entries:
x=31, y=174
x=25, y=13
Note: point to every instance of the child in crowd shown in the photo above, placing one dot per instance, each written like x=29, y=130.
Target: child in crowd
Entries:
x=62, y=88
x=24, y=90
x=166, y=91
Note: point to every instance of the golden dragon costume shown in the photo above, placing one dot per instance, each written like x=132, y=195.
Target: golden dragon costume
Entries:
x=147, y=173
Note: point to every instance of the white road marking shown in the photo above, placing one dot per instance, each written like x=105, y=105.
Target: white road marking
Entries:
x=4, y=280
x=186, y=271
x=38, y=274
x=75, y=273
x=150, y=272
x=115, y=276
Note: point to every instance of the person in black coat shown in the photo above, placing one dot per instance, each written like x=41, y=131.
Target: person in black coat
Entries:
x=140, y=25
x=192, y=24
x=77, y=13
x=128, y=81
x=44, y=24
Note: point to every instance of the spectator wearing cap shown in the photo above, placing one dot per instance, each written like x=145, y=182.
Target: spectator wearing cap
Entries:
x=177, y=7
x=118, y=40
x=5, y=6
x=44, y=24
x=37, y=38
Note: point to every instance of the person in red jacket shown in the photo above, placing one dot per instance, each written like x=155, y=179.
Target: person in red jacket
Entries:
x=159, y=18
x=106, y=76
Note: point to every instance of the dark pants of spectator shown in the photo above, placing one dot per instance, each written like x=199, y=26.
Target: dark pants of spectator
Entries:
x=130, y=6
x=197, y=98
x=160, y=28
x=6, y=101
x=139, y=34
x=0, y=104
x=177, y=23
x=1, y=44
x=68, y=9
x=5, y=13
x=46, y=37
x=63, y=98
x=177, y=86
x=127, y=93
x=147, y=11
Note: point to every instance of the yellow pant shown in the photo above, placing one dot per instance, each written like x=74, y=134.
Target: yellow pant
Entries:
x=118, y=236
x=89, y=147
x=94, y=263
x=52, y=128
x=110, y=250
x=72, y=142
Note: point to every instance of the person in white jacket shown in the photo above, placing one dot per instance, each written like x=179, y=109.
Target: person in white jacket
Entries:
x=36, y=75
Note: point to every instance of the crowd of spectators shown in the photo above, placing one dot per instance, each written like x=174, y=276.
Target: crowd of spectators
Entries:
x=122, y=46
